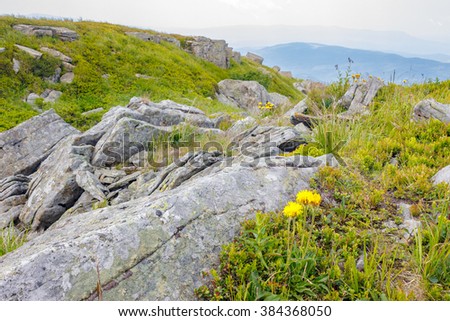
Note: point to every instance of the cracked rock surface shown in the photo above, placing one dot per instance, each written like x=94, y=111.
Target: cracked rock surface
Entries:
x=24, y=147
x=161, y=242
x=151, y=233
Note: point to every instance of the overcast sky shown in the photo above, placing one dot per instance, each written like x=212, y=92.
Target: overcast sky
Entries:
x=428, y=19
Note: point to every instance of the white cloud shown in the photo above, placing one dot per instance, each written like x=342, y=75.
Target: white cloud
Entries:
x=402, y=15
x=260, y=5
x=436, y=23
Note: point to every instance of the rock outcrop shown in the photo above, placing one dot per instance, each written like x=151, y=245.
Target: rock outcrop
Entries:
x=127, y=137
x=31, y=99
x=57, y=54
x=24, y=147
x=168, y=113
x=68, y=66
x=306, y=86
x=12, y=198
x=53, y=188
x=215, y=51
x=140, y=123
x=359, y=96
x=254, y=57
x=124, y=131
x=279, y=100
x=33, y=53
x=156, y=38
x=236, y=56
x=242, y=125
x=287, y=74
x=47, y=31
x=67, y=78
x=50, y=96
x=247, y=94
x=16, y=66
x=443, y=176
x=430, y=108
x=166, y=239
x=262, y=141
x=300, y=108
x=92, y=111
x=164, y=226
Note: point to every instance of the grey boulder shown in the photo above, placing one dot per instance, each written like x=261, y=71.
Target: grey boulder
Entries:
x=57, y=54
x=307, y=86
x=300, y=108
x=261, y=142
x=430, y=108
x=50, y=96
x=109, y=119
x=156, y=38
x=359, y=96
x=242, y=125
x=92, y=111
x=169, y=113
x=12, y=198
x=54, y=188
x=126, y=138
x=25, y=146
x=254, y=57
x=279, y=100
x=91, y=184
x=443, y=176
x=68, y=66
x=247, y=94
x=215, y=51
x=31, y=99
x=33, y=53
x=287, y=74
x=16, y=66
x=236, y=55
x=67, y=78
x=49, y=31
x=13, y=186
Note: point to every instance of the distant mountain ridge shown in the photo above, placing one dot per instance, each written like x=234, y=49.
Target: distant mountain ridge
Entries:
x=397, y=42
x=318, y=62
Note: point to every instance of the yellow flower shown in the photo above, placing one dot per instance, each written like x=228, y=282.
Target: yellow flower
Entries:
x=293, y=209
x=308, y=197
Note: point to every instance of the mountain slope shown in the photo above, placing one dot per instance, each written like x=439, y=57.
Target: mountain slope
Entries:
x=316, y=61
x=106, y=64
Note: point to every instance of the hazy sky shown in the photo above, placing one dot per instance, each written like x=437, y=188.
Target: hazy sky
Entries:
x=424, y=18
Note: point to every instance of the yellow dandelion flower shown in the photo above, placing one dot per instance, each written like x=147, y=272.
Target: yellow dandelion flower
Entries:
x=308, y=197
x=293, y=209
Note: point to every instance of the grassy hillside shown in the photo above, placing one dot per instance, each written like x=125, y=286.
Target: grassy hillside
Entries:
x=105, y=49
